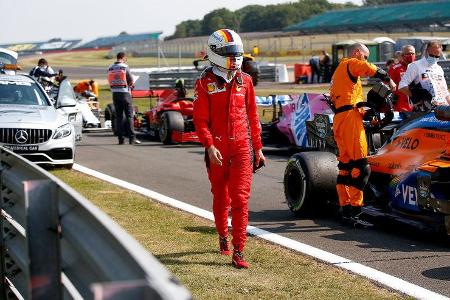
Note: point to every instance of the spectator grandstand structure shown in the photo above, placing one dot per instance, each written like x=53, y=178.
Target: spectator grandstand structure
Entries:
x=48, y=46
x=58, y=44
x=122, y=38
x=404, y=17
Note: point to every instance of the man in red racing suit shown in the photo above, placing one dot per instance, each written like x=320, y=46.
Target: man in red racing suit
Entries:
x=223, y=114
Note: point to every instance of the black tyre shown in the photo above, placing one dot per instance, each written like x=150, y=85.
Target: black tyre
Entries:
x=109, y=111
x=310, y=181
x=170, y=121
x=255, y=78
x=110, y=114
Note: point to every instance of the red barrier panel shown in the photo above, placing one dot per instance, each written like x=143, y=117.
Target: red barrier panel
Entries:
x=302, y=72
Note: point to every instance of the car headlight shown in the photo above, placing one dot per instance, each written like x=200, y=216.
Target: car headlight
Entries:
x=63, y=131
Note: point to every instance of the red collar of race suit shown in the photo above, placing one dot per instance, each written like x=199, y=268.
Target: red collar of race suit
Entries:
x=220, y=81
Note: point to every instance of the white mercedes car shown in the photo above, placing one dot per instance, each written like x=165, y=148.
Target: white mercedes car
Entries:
x=32, y=126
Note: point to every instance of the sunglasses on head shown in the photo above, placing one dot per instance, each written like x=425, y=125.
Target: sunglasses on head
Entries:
x=366, y=57
x=435, y=56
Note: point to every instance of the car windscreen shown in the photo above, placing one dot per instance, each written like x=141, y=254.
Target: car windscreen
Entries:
x=7, y=59
x=21, y=93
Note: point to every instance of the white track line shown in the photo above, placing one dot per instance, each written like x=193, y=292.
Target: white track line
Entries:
x=375, y=275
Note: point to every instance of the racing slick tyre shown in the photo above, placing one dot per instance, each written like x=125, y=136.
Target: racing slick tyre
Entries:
x=109, y=111
x=255, y=79
x=310, y=181
x=170, y=121
x=110, y=114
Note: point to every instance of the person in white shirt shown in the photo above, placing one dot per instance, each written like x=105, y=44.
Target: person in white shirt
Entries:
x=428, y=77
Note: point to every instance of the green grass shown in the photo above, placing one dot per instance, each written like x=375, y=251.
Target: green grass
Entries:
x=100, y=59
x=105, y=97
x=187, y=246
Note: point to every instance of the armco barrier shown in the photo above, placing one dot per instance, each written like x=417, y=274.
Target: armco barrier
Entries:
x=166, y=77
x=55, y=244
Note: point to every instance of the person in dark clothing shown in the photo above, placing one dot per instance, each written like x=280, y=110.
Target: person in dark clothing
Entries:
x=121, y=81
x=325, y=67
x=42, y=70
x=315, y=69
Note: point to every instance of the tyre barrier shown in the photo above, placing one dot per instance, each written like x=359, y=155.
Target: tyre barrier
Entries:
x=55, y=244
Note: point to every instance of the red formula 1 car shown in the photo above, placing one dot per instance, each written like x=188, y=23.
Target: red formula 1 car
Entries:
x=170, y=119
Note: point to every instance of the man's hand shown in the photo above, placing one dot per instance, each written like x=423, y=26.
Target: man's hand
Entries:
x=392, y=85
x=214, y=156
x=259, y=156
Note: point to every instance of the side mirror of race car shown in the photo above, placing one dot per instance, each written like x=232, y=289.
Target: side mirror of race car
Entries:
x=442, y=113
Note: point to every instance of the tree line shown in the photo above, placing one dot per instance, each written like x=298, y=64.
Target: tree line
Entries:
x=253, y=18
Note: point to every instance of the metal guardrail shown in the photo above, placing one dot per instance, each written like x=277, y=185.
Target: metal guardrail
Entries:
x=55, y=244
x=167, y=78
x=446, y=67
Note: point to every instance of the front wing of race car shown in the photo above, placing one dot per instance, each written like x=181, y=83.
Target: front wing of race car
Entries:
x=185, y=137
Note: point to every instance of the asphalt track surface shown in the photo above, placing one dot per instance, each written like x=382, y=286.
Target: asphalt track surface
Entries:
x=85, y=72
x=178, y=171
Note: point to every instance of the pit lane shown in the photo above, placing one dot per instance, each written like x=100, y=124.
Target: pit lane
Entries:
x=178, y=172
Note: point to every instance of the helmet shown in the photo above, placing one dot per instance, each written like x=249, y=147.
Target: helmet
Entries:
x=225, y=49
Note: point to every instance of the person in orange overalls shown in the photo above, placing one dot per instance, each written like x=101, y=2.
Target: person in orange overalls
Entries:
x=86, y=85
x=348, y=129
x=227, y=124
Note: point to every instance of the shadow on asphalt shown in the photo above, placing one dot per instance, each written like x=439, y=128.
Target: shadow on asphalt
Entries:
x=99, y=134
x=442, y=273
x=401, y=238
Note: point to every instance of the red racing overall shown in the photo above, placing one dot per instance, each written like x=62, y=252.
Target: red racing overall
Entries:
x=225, y=116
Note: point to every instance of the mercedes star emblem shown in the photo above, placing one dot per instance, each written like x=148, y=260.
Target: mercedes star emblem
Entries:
x=21, y=136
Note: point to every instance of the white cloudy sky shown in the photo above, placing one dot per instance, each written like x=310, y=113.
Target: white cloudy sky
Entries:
x=38, y=20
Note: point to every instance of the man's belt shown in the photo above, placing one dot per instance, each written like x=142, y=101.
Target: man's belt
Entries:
x=350, y=107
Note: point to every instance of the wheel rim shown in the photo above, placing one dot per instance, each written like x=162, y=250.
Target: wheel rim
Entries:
x=163, y=130
x=296, y=187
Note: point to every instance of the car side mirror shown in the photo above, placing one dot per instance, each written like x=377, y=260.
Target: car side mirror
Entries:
x=66, y=102
x=442, y=112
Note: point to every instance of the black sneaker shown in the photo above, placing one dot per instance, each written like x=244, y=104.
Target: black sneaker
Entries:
x=121, y=142
x=135, y=142
x=345, y=214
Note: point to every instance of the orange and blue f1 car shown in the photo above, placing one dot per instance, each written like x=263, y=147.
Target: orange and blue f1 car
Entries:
x=410, y=179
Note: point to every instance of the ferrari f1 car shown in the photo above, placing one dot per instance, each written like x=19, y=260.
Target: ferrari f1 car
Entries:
x=170, y=119
x=410, y=179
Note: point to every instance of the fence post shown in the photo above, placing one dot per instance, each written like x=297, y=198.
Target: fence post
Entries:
x=276, y=62
x=3, y=288
x=43, y=237
x=179, y=57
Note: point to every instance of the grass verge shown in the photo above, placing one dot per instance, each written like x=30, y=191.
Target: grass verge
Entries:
x=100, y=59
x=187, y=246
